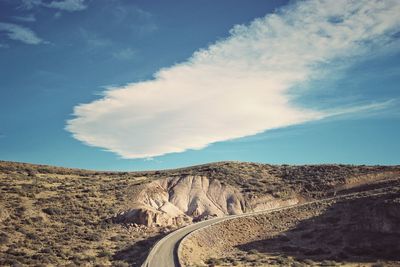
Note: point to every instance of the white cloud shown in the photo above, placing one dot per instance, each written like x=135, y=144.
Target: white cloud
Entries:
x=20, y=33
x=238, y=86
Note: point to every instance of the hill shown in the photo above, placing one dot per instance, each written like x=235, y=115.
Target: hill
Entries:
x=60, y=216
x=356, y=229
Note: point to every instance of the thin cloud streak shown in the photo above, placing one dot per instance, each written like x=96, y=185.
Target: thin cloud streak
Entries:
x=125, y=54
x=65, y=5
x=363, y=109
x=20, y=33
x=238, y=86
x=28, y=18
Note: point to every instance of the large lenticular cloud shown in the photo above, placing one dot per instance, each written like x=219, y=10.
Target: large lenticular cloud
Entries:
x=236, y=87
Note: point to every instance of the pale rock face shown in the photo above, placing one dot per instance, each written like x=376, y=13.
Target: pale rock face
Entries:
x=177, y=201
x=197, y=196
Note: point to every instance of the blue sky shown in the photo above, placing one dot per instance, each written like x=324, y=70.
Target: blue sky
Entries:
x=134, y=85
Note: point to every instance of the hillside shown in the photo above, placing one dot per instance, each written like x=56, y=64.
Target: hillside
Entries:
x=181, y=196
x=60, y=216
x=360, y=229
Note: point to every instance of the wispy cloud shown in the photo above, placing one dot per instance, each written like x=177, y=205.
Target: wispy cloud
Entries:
x=58, y=15
x=27, y=18
x=20, y=33
x=137, y=19
x=29, y=4
x=365, y=109
x=238, y=86
x=93, y=40
x=125, y=54
x=65, y=5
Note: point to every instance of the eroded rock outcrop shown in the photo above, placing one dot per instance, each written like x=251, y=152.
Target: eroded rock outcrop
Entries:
x=179, y=200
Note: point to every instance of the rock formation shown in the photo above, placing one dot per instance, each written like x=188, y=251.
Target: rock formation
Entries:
x=178, y=201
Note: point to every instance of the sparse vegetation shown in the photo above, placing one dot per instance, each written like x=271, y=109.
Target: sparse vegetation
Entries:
x=61, y=216
x=358, y=228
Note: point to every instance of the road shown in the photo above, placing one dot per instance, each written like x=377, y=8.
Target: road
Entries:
x=164, y=253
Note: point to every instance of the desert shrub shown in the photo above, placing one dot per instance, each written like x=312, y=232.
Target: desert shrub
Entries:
x=332, y=220
x=104, y=253
x=359, y=251
x=229, y=259
x=328, y=263
x=120, y=264
x=335, y=242
x=10, y=262
x=214, y=261
x=77, y=261
x=251, y=258
x=342, y=255
x=36, y=219
x=289, y=248
x=317, y=251
x=93, y=237
x=47, y=251
x=309, y=262
x=52, y=211
x=3, y=238
x=282, y=260
x=253, y=251
x=115, y=238
x=283, y=238
x=15, y=252
x=20, y=210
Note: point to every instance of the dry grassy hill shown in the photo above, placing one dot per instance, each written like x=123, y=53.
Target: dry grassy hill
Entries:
x=358, y=229
x=60, y=216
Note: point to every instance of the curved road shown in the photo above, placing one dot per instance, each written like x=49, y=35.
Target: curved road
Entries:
x=164, y=253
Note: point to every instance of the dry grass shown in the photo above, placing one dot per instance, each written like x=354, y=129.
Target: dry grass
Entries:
x=60, y=216
x=357, y=230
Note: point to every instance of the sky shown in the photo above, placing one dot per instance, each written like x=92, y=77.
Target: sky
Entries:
x=139, y=85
